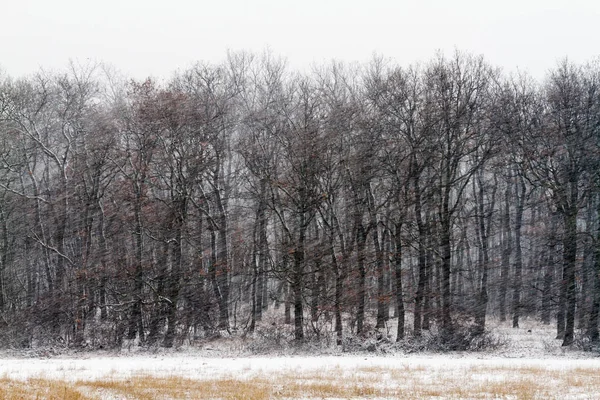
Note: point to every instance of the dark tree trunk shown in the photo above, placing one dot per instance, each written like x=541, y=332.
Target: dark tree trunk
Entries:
x=3, y=257
x=253, y=301
x=297, y=282
x=562, y=304
x=549, y=261
x=399, y=290
x=174, y=278
x=517, y=284
x=361, y=240
x=315, y=284
x=223, y=268
x=212, y=269
x=339, y=282
x=382, y=299
x=429, y=260
x=484, y=226
x=172, y=286
x=570, y=258
x=445, y=237
x=157, y=317
x=422, y=274
x=298, y=278
x=595, y=309
x=135, y=318
x=103, y=272
x=60, y=306
x=287, y=304
x=261, y=284
x=505, y=256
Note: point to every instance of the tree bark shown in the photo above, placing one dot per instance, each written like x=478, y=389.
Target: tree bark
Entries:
x=593, y=332
x=399, y=290
x=517, y=283
x=569, y=260
x=505, y=255
x=422, y=274
x=361, y=239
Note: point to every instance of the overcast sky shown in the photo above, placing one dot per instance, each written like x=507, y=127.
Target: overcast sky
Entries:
x=155, y=38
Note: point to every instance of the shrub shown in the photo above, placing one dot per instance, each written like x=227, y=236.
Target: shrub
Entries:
x=465, y=336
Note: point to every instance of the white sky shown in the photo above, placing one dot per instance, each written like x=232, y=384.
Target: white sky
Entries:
x=150, y=37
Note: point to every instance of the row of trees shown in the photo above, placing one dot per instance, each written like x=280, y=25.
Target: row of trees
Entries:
x=435, y=194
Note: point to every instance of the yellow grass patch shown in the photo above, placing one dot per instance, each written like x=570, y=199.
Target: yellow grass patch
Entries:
x=39, y=389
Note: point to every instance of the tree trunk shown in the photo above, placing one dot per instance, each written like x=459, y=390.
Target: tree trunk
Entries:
x=361, y=240
x=174, y=278
x=570, y=258
x=595, y=309
x=429, y=260
x=223, y=268
x=253, y=298
x=422, y=275
x=173, y=285
x=339, y=282
x=298, y=279
x=135, y=318
x=445, y=242
x=505, y=255
x=517, y=284
x=382, y=299
x=4, y=256
x=547, y=285
x=261, y=284
x=287, y=304
x=157, y=318
x=399, y=290
x=484, y=223
x=102, y=300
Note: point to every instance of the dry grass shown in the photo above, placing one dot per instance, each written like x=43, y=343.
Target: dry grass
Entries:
x=39, y=389
x=408, y=382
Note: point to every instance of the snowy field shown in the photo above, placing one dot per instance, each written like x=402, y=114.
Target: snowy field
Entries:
x=318, y=377
x=530, y=365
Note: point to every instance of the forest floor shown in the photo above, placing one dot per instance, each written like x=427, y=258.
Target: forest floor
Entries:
x=529, y=364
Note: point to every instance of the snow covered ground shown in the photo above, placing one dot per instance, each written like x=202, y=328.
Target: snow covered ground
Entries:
x=379, y=377
x=192, y=367
x=532, y=364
